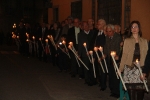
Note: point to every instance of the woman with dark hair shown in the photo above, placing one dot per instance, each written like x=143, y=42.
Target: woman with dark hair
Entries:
x=135, y=48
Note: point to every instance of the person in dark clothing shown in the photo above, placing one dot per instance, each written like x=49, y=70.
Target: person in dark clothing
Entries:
x=72, y=36
x=85, y=36
x=113, y=41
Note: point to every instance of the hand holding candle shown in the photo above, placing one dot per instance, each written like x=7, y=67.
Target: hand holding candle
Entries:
x=101, y=50
x=84, y=44
x=95, y=49
x=138, y=65
x=64, y=43
x=91, y=53
x=113, y=55
x=70, y=47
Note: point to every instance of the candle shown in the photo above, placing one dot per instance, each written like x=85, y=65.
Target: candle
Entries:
x=17, y=37
x=95, y=49
x=46, y=40
x=113, y=54
x=91, y=53
x=101, y=50
x=84, y=44
x=33, y=38
x=66, y=48
x=138, y=65
x=77, y=57
x=27, y=40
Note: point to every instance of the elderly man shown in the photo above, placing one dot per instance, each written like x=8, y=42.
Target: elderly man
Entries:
x=85, y=36
x=99, y=39
x=113, y=41
x=72, y=36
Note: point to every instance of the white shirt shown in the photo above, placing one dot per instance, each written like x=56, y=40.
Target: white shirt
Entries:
x=87, y=32
x=100, y=32
x=77, y=30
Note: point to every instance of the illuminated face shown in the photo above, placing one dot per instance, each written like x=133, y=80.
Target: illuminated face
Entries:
x=100, y=25
x=109, y=31
x=86, y=26
x=135, y=28
x=76, y=23
x=117, y=29
x=90, y=21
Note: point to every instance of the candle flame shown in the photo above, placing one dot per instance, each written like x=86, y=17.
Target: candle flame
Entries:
x=113, y=53
x=33, y=37
x=91, y=52
x=100, y=48
x=137, y=61
x=71, y=43
x=60, y=43
x=46, y=40
x=63, y=42
x=95, y=48
x=84, y=44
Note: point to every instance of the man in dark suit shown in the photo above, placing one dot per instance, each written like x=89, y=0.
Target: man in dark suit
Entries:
x=113, y=41
x=42, y=33
x=99, y=39
x=72, y=36
x=85, y=36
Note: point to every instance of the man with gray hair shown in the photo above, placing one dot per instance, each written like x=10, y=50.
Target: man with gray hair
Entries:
x=113, y=41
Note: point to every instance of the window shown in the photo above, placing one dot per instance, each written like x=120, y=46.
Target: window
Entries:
x=110, y=10
x=76, y=9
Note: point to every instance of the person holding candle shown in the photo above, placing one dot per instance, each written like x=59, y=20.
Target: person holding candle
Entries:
x=72, y=36
x=85, y=37
x=113, y=41
x=99, y=39
x=135, y=48
x=62, y=55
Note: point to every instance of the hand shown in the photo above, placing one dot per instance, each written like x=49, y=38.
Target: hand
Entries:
x=144, y=77
x=116, y=57
x=99, y=60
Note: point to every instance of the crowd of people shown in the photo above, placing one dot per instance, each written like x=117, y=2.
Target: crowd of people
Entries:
x=84, y=49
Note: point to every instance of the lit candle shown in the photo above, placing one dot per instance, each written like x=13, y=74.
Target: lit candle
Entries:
x=84, y=44
x=101, y=50
x=95, y=49
x=46, y=40
x=27, y=40
x=33, y=38
x=138, y=65
x=113, y=54
x=64, y=43
x=70, y=47
x=17, y=37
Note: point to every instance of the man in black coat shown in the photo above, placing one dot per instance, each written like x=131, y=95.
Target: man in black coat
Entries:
x=72, y=36
x=85, y=36
x=99, y=39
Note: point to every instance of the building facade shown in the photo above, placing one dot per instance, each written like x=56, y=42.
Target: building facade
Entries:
x=120, y=12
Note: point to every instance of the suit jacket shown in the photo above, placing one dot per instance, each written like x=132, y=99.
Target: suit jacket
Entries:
x=128, y=51
x=112, y=44
x=99, y=40
x=84, y=38
x=71, y=37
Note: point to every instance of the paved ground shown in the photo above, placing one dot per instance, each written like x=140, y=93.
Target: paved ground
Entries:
x=23, y=78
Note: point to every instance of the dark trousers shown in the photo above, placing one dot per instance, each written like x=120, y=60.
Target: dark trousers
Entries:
x=74, y=65
x=62, y=61
x=103, y=76
x=136, y=94
x=113, y=81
